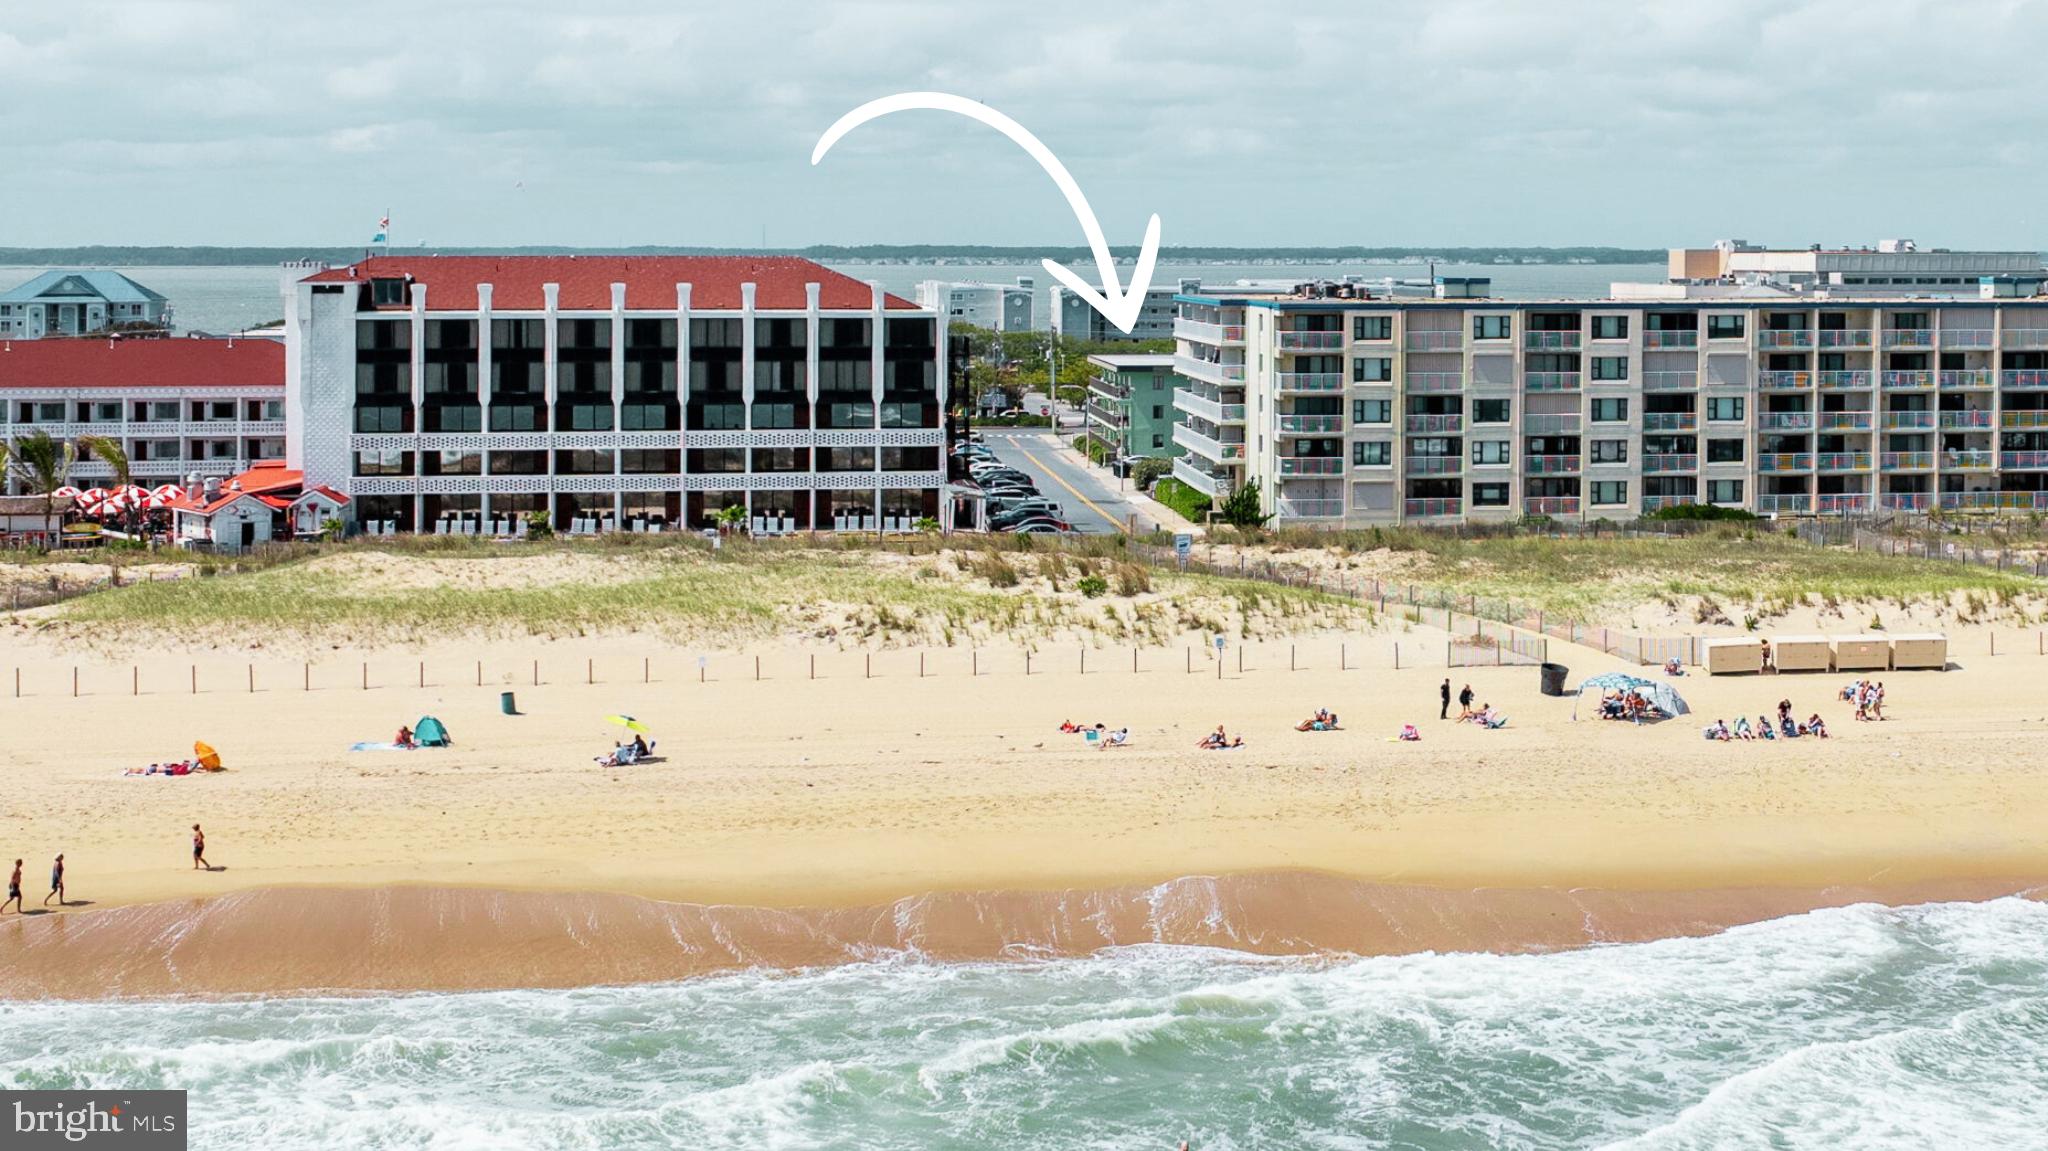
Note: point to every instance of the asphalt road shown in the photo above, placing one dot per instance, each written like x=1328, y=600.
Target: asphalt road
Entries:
x=1088, y=497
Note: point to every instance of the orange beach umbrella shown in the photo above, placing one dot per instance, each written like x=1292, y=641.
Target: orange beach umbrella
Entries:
x=207, y=757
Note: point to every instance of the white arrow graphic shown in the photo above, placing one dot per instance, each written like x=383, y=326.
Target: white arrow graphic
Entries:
x=1114, y=301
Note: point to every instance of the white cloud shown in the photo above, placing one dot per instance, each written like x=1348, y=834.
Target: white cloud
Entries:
x=646, y=121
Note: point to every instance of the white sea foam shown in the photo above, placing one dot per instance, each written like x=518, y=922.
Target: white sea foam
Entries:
x=1858, y=1027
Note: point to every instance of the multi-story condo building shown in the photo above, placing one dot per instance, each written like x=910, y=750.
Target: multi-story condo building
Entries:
x=997, y=307
x=615, y=393
x=1761, y=395
x=77, y=303
x=1131, y=407
x=183, y=410
x=1076, y=317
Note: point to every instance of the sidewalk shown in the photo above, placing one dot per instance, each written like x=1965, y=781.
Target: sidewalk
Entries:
x=1148, y=508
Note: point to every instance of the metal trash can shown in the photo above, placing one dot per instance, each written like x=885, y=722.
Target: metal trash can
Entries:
x=1553, y=678
x=506, y=705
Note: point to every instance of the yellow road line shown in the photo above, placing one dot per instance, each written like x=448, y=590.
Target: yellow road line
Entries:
x=1055, y=477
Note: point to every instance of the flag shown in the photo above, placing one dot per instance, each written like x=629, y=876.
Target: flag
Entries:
x=383, y=235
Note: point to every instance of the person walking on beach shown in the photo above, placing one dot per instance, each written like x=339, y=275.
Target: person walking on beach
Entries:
x=199, y=849
x=56, y=882
x=14, y=889
x=1445, y=692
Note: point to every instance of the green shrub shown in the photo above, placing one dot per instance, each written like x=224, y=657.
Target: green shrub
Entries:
x=1148, y=470
x=1242, y=509
x=1092, y=586
x=1671, y=512
x=1191, y=504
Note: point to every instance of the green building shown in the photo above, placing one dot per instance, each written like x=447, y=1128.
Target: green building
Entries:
x=1130, y=405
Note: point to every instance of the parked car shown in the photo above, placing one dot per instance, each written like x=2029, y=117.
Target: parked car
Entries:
x=1042, y=527
x=1029, y=504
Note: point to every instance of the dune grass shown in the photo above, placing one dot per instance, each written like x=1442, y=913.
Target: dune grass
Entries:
x=738, y=594
x=1588, y=575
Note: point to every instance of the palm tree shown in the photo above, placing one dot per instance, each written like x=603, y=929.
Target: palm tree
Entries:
x=730, y=517
x=109, y=451
x=44, y=465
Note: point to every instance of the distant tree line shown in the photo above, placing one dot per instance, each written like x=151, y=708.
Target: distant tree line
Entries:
x=121, y=255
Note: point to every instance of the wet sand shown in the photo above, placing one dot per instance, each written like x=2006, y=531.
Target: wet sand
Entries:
x=290, y=941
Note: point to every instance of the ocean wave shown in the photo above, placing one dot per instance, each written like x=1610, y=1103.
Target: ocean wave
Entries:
x=1854, y=1027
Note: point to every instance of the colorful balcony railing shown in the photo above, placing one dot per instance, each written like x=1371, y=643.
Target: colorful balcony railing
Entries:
x=1785, y=462
x=1550, y=465
x=1309, y=381
x=1311, y=341
x=1435, y=465
x=1432, y=508
x=1550, y=341
x=1664, y=464
x=1670, y=421
x=1309, y=425
x=1450, y=341
x=1784, y=338
x=1655, y=340
x=1311, y=466
x=1430, y=423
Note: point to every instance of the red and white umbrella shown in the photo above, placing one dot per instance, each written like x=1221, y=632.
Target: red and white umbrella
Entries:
x=66, y=490
x=165, y=493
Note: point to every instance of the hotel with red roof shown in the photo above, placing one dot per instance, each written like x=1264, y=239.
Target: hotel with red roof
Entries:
x=185, y=410
x=464, y=394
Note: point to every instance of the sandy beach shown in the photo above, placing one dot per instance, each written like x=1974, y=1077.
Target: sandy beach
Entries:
x=871, y=785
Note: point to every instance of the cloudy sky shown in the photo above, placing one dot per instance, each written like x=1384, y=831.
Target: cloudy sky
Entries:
x=611, y=122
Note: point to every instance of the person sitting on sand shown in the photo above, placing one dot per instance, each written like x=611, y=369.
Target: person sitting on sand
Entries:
x=1673, y=667
x=1121, y=737
x=1214, y=740
x=1409, y=734
x=1849, y=694
x=639, y=746
x=1764, y=729
x=404, y=736
x=1816, y=726
x=1742, y=731
x=1720, y=731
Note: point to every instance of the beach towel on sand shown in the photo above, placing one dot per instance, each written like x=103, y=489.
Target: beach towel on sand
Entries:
x=385, y=745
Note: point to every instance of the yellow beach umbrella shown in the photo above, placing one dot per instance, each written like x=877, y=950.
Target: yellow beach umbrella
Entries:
x=207, y=757
x=627, y=722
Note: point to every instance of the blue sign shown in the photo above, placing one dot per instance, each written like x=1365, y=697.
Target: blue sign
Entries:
x=1183, y=543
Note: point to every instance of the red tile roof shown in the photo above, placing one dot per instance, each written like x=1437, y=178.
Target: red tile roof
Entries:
x=586, y=281
x=267, y=480
x=170, y=363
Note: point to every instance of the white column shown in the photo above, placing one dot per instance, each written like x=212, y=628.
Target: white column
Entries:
x=483, y=392
x=419, y=386
x=682, y=402
x=878, y=333
x=811, y=295
x=618, y=397
x=747, y=292
x=551, y=297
